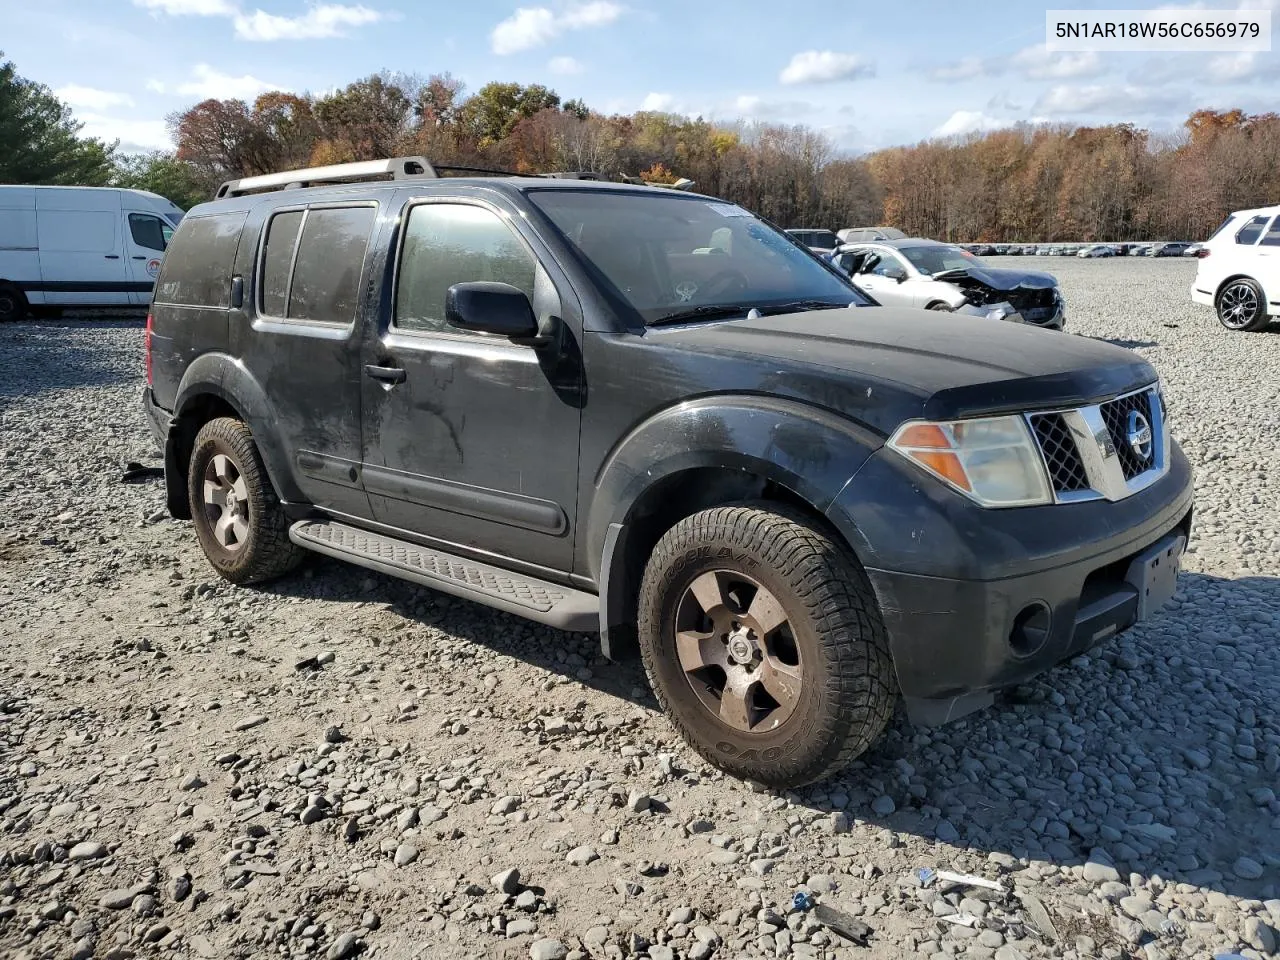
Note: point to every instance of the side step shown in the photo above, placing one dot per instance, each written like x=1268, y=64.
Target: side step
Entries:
x=548, y=603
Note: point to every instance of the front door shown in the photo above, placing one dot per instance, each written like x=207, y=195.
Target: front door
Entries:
x=471, y=440
x=878, y=276
x=146, y=237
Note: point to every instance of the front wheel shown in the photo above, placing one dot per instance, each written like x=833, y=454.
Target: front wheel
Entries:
x=1241, y=306
x=764, y=644
x=941, y=307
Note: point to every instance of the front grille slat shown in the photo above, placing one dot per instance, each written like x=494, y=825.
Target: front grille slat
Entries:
x=1066, y=469
x=1115, y=414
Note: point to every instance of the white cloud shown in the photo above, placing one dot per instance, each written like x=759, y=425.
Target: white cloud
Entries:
x=207, y=83
x=970, y=68
x=658, y=103
x=825, y=66
x=752, y=107
x=321, y=21
x=189, y=8
x=89, y=98
x=318, y=23
x=156, y=86
x=1106, y=99
x=565, y=66
x=1036, y=63
x=135, y=136
x=968, y=121
x=531, y=27
x=1241, y=67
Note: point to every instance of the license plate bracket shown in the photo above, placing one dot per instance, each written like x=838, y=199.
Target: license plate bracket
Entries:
x=1154, y=574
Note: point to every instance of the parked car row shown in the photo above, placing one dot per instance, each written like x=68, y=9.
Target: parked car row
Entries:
x=1171, y=249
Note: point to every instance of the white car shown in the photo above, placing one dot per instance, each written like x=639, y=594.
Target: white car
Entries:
x=941, y=276
x=1097, y=250
x=1238, y=272
x=80, y=246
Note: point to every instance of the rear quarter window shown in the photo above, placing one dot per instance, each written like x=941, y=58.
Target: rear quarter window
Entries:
x=200, y=260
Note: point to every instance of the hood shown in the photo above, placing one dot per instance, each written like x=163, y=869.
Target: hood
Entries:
x=1000, y=278
x=883, y=365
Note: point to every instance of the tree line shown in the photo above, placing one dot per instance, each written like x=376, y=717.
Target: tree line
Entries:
x=1029, y=182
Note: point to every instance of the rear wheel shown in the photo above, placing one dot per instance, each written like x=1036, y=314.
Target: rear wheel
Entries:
x=763, y=642
x=13, y=304
x=241, y=526
x=1241, y=305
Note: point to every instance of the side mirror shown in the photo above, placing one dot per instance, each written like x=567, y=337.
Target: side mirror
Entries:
x=490, y=308
x=896, y=273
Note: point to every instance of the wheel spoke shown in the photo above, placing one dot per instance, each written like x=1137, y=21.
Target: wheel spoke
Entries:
x=240, y=529
x=214, y=495
x=241, y=489
x=698, y=650
x=735, y=707
x=224, y=527
x=708, y=590
x=767, y=612
x=781, y=681
x=222, y=469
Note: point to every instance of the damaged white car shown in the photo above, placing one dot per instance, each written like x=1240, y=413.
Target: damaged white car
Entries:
x=940, y=276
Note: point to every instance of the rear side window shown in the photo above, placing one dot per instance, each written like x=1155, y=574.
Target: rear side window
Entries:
x=448, y=243
x=312, y=263
x=1272, y=236
x=1250, y=232
x=197, y=268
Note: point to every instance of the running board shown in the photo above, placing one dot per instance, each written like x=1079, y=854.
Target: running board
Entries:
x=539, y=600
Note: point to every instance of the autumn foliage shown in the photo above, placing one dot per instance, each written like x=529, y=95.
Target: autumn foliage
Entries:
x=1031, y=182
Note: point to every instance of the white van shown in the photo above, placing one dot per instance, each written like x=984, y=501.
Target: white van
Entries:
x=80, y=246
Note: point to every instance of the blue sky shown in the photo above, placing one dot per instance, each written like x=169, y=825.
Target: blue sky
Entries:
x=868, y=74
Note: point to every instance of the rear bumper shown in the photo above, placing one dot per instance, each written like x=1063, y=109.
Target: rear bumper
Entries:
x=957, y=583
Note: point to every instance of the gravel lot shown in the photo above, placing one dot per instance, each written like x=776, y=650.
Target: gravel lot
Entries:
x=342, y=763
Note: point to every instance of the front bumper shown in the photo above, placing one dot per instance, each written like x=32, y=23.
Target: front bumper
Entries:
x=955, y=581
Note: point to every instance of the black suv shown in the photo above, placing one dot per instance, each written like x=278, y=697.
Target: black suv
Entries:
x=651, y=414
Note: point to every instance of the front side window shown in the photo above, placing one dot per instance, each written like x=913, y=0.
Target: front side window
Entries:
x=666, y=255
x=448, y=243
x=149, y=232
x=1251, y=231
x=887, y=264
x=326, y=249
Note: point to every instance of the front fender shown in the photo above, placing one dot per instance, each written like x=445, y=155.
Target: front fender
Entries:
x=224, y=377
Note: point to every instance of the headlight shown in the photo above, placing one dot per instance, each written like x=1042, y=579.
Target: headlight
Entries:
x=993, y=461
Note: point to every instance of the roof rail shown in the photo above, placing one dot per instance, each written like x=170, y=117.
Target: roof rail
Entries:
x=573, y=175
x=399, y=168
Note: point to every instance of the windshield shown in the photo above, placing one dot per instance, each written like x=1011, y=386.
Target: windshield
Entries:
x=939, y=258
x=665, y=254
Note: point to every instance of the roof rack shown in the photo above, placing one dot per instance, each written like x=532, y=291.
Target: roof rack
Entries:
x=399, y=168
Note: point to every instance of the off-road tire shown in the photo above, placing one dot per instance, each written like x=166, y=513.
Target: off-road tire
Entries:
x=848, y=690
x=13, y=304
x=266, y=552
x=1230, y=288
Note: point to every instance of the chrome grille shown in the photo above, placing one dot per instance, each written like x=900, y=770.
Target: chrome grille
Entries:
x=1087, y=452
x=1066, y=469
x=1115, y=413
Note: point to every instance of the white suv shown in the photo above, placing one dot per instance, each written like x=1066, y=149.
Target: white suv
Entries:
x=1239, y=270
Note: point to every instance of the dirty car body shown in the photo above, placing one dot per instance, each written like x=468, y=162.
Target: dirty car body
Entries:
x=942, y=276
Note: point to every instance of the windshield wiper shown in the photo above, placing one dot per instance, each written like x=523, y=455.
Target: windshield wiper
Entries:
x=705, y=312
x=797, y=305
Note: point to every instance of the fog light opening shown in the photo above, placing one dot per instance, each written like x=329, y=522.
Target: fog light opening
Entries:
x=1030, y=629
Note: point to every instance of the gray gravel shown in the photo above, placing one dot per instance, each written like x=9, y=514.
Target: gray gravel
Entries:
x=341, y=764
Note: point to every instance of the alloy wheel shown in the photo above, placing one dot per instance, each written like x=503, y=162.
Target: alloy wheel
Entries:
x=1238, y=306
x=226, y=502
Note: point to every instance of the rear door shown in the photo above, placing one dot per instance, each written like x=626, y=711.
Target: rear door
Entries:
x=1268, y=254
x=146, y=238
x=82, y=247
x=311, y=288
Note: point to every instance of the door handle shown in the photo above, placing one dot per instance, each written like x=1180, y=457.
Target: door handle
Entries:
x=390, y=375
x=137, y=257
x=112, y=256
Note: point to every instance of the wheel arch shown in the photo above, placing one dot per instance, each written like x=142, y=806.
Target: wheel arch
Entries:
x=704, y=454
x=215, y=385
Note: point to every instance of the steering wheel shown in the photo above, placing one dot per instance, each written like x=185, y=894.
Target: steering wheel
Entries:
x=716, y=286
